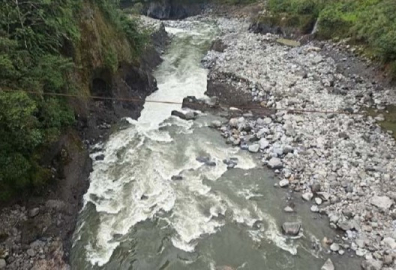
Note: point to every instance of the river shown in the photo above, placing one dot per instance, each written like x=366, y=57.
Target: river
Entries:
x=136, y=217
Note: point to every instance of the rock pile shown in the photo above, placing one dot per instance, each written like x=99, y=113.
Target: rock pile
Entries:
x=342, y=161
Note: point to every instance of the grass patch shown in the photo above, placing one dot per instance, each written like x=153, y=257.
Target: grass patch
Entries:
x=371, y=23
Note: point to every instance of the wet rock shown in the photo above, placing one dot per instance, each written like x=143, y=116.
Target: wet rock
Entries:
x=177, y=177
x=100, y=157
x=231, y=163
x=203, y=159
x=328, y=265
x=34, y=212
x=185, y=116
x=388, y=259
x=144, y=197
x=211, y=163
x=275, y=163
x=382, y=202
x=372, y=264
x=291, y=228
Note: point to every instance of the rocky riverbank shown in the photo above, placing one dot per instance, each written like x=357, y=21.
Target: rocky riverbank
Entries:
x=36, y=231
x=334, y=156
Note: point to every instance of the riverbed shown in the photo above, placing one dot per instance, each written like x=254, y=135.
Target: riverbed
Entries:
x=163, y=196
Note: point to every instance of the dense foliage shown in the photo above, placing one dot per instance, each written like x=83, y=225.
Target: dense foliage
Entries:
x=35, y=57
x=369, y=22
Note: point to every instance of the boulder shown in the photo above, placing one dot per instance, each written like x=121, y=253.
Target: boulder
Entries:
x=275, y=163
x=218, y=46
x=291, y=228
x=263, y=143
x=34, y=212
x=328, y=265
x=307, y=196
x=186, y=116
x=177, y=177
x=389, y=242
x=216, y=124
x=315, y=187
x=284, y=183
x=254, y=148
x=372, y=264
x=382, y=202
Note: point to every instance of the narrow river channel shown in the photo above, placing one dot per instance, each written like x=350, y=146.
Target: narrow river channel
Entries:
x=136, y=217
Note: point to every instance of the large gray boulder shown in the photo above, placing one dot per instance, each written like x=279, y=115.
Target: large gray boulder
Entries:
x=275, y=163
x=291, y=228
x=382, y=202
x=328, y=265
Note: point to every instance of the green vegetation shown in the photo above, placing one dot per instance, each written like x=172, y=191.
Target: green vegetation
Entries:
x=42, y=47
x=371, y=23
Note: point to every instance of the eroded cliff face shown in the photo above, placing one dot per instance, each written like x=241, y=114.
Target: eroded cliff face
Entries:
x=39, y=229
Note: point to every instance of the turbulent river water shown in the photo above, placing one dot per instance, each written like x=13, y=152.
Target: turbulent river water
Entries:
x=136, y=217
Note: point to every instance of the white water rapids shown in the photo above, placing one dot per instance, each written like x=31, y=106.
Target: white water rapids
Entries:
x=136, y=217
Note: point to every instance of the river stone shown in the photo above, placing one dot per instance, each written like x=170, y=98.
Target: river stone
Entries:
x=314, y=208
x=233, y=122
x=372, y=264
x=177, y=177
x=275, y=163
x=284, y=183
x=315, y=187
x=254, y=148
x=318, y=201
x=267, y=121
x=263, y=143
x=100, y=157
x=34, y=212
x=190, y=115
x=287, y=149
x=307, y=196
x=291, y=228
x=215, y=124
x=288, y=209
x=31, y=252
x=382, y=202
x=389, y=242
x=3, y=264
x=328, y=265
x=335, y=247
x=203, y=159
